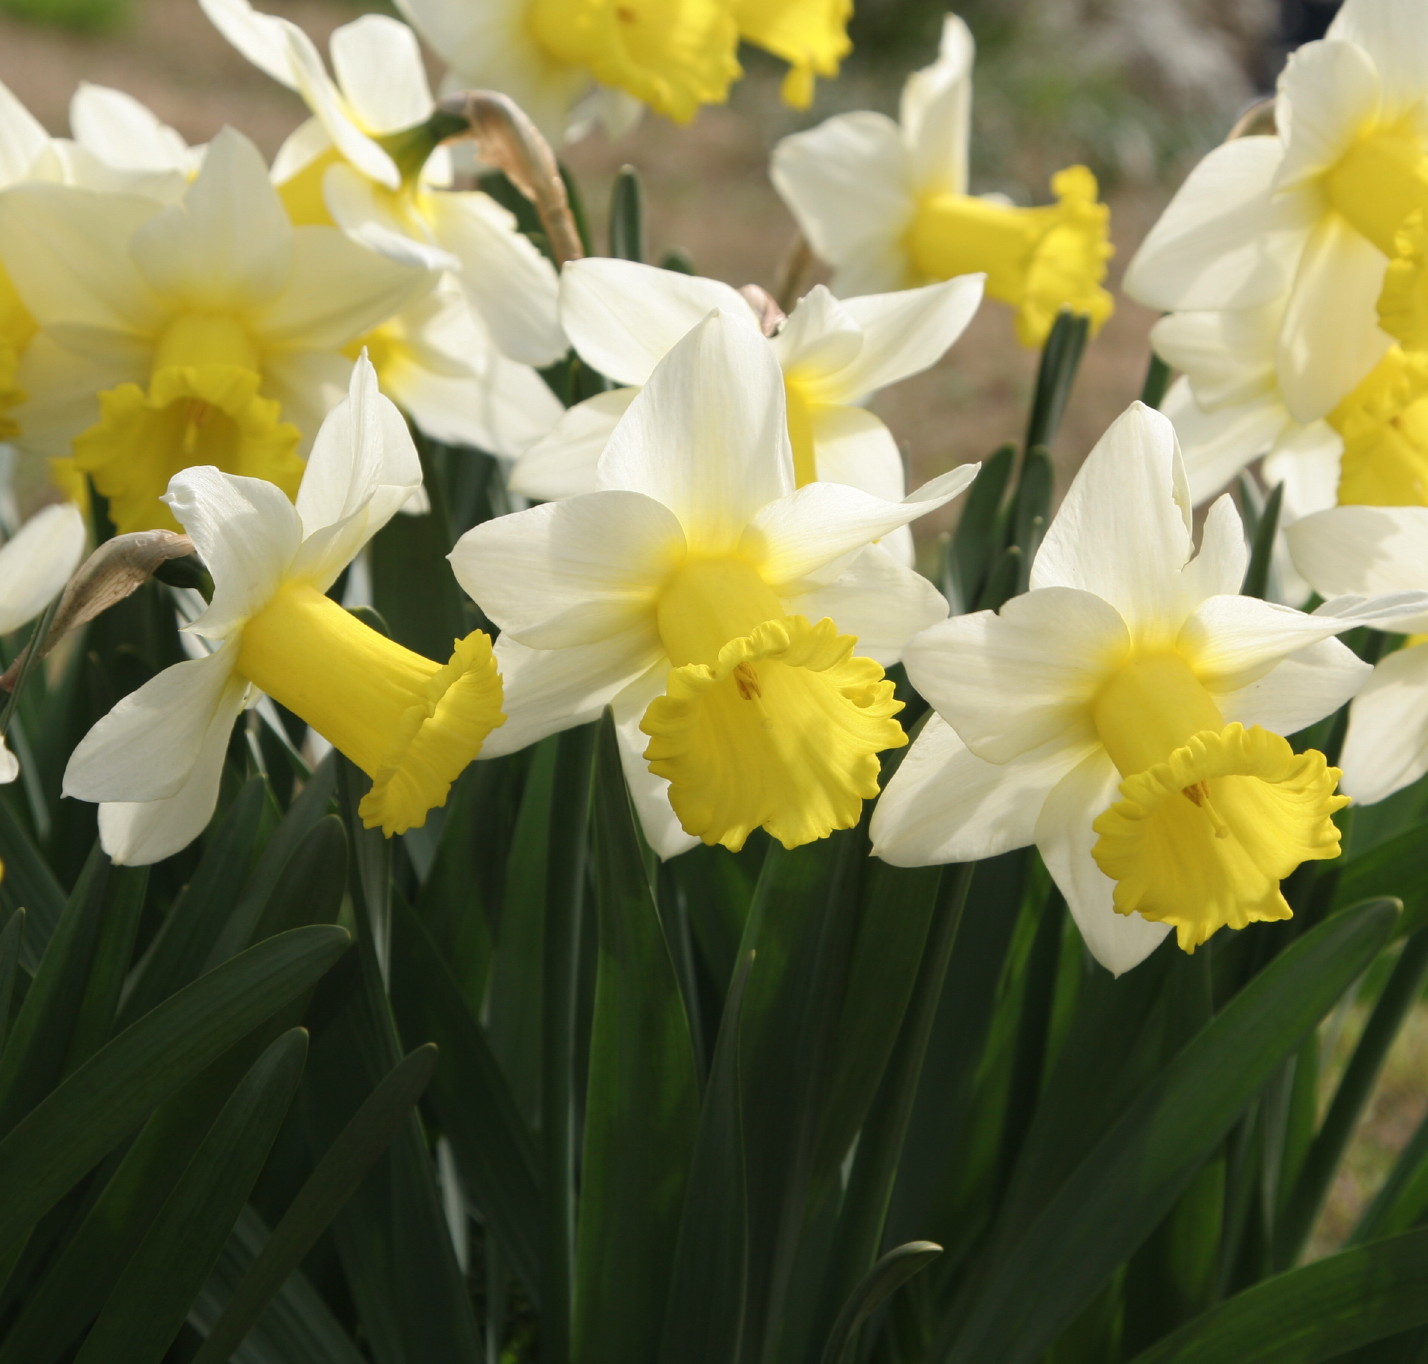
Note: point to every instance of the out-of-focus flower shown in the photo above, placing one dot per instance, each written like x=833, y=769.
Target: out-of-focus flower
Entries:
x=561, y=60
x=886, y=204
x=1372, y=550
x=367, y=161
x=411, y=724
x=1125, y=715
x=208, y=331
x=34, y=566
x=810, y=35
x=712, y=606
x=1281, y=244
x=624, y=318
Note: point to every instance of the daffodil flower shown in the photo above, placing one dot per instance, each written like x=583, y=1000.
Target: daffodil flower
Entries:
x=562, y=60
x=886, y=204
x=411, y=724
x=1371, y=550
x=34, y=566
x=623, y=319
x=1125, y=715
x=342, y=166
x=209, y=331
x=810, y=35
x=1288, y=236
x=736, y=626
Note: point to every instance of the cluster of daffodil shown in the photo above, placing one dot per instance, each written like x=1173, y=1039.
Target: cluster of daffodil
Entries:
x=718, y=546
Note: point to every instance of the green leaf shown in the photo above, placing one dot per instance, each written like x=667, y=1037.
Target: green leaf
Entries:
x=1310, y=1314
x=29, y=884
x=704, y=1319
x=1060, y=359
x=202, y=912
x=1402, y=992
x=149, y=1303
x=112, y=955
x=627, y=228
x=641, y=1102
x=977, y=538
x=1157, y=380
x=1256, y=583
x=1034, y=1286
x=342, y=1168
x=469, y=1094
x=98, y=1105
x=880, y=1283
x=11, y=937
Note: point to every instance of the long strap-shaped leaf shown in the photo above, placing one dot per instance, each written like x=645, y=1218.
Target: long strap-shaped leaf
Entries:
x=341, y=1169
x=1109, y=1204
x=149, y=1303
x=1310, y=1314
x=106, y=1098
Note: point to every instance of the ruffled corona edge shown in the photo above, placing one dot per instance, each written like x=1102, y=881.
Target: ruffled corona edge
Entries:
x=436, y=739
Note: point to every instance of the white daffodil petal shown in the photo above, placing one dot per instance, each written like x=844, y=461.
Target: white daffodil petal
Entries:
x=22, y=138
x=936, y=112
x=1300, y=691
x=261, y=38
x=852, y=446
x=1223, y=242
x=120, y=130
x=1023, y=678
x=816, y=341
x=1386, y=747
x=1394, y=33
x=146, y=747
x=849, y=184
x=510, y=285
x=246, y=532
x=1123, y=531
x=307, y=385
x=1217, y=445
x=906, y=332
x=381, y=221
x=565, y=461
x=944, y=804
x=136, y=834
x=878, y=598
x=1232, y=641
x=9, y=764
x=377, y=62
x=229, y=243
x=1331, y=90
x=37, y=562
x=1219, y=568
x=624, y=318
x=1362, y=551
x=649, y=794
x=66, y=252
x=1331, y=337
x=708, y=435
x=1227, y=355
x=1065, y=838
x=1306, y=459
x=574, y=572
x=547, y=690
x=339, y=291
x=797, y=535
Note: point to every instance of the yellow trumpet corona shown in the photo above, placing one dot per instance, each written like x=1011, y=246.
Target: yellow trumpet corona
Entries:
x=1211, y=816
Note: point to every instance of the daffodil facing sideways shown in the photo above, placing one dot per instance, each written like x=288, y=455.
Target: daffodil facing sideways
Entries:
x=208, y=331
x=1125, y=715
x=1280, y=245
x=409, y=723
x=886, y=205
x=35, y=564
x=368, y=162
x=624, y=318
x=736, y=625
x=1357, y=549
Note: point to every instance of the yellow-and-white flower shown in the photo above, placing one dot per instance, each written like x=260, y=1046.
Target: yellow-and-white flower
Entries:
x=209, y=331
x=886, y=205
x=1280, y=244
x=1125, y=715
x=350, y=164
x=35, y=564
x=623, y=319
x=737, y=626
x=411, y=724
x=1362, y=550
